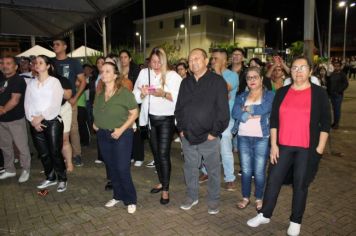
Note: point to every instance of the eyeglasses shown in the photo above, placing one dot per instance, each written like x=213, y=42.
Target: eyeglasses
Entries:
x=299, y=68
x=252, y=78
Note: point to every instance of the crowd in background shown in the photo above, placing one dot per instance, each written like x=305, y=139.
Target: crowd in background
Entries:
x=216, y=105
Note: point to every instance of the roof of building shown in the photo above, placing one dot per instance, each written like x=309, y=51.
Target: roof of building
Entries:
x=203, y=8
x=51, y=17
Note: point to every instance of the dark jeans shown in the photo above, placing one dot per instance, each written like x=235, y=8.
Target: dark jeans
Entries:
x=161, y=133
x=49, y=145
x=336, y=100
x=117, y=157
x=297, y=158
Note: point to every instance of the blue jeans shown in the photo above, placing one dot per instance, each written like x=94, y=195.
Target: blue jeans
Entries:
x=253, y=157
x=227, y=156
x=336, y=100
x=117, y=157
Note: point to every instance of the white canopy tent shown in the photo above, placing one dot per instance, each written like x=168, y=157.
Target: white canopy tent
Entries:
x=35, y=51
x=83, y=51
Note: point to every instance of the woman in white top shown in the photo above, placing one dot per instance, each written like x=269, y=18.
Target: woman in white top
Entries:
x=157, y=89
x=252, y=110
x=43, y=100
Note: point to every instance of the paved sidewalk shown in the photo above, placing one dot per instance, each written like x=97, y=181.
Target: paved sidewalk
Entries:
x=80, y=210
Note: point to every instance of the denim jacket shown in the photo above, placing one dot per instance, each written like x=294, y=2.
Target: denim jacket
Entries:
x=263, y=110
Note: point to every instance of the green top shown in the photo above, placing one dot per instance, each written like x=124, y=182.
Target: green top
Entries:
x=82, y=100
x=113, y=113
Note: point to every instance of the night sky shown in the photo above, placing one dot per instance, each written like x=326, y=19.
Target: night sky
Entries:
x=123, y=29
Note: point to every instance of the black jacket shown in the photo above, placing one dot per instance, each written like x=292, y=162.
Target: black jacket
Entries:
x=202, y=107
x=336, y=83
x=320, y=119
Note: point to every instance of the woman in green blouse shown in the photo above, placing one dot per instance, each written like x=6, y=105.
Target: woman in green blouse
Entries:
x=115, y=111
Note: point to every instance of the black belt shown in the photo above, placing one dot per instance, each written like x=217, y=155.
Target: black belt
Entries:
x=154, y=117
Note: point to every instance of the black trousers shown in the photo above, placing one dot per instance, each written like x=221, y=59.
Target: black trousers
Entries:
x=161, y=133
x=83, y=126
x=138, y=148
x=49, y=144
x=1, y=159
x=289, y=157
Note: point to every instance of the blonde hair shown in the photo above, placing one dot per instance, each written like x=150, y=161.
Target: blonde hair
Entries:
x=161, y=54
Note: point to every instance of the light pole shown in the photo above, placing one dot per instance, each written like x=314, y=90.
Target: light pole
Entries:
x=345, y=4
x=140, y=38
x=194, y=7
x=281, y=20
x=182, y=26
x=233, y=29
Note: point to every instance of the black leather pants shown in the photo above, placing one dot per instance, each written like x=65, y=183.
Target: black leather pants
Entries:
x=49, y=144
x=161, y=133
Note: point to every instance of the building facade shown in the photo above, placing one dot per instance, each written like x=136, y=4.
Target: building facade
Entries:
x=208, y=26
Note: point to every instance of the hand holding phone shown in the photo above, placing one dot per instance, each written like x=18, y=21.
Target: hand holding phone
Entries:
x=151, y=89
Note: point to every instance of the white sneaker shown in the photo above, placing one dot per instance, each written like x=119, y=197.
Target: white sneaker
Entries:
x=258, y=220
x=16, y=160
x=177, y=140
x=131, y=208
x=138, y=163
x=62, y=186
x=25, y=175
x=188, y=204
x=97, y=161
x=294, y=229
x=151, y=164
x=213, y=211
x=6, y=175
x=112, y=203
x=46, y=183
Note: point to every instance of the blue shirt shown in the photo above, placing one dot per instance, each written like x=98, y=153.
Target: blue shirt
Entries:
x=263, y=110
x=232, y=79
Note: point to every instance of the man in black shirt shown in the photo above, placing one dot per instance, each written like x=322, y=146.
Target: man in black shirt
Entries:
x=202, y=114
x=336, y=84
x=12, y=121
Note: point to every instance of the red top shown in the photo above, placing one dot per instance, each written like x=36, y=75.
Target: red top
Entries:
x=294, y=118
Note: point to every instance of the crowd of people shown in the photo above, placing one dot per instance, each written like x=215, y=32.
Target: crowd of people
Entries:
x=50, y=107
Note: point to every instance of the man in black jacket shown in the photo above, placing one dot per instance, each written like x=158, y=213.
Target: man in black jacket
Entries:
x=336, y=84
x=202, y=114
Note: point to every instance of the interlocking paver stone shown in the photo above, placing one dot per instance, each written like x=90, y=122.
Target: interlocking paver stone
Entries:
x=80, y=210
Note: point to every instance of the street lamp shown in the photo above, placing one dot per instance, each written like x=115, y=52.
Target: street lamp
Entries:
x=194, y=8
x=281, y=20
x=345, y=4
x=140, y=38
x=233, y=29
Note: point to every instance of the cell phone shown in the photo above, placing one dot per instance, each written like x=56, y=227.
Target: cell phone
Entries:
x=151, y=89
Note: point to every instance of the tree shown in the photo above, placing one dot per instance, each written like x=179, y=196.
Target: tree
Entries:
x=296, y=48
x=228, y=46
x=171, y=51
